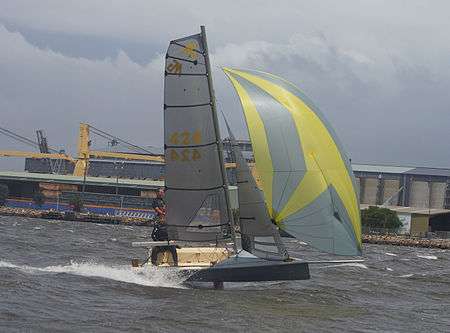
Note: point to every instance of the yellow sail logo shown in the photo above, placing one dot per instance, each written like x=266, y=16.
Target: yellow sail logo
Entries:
x=190, y=49
x=174, y=67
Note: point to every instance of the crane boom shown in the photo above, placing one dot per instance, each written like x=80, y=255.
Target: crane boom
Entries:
x=26, y=154
x=126, y=156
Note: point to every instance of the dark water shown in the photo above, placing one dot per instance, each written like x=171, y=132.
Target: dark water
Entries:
x=76, y=277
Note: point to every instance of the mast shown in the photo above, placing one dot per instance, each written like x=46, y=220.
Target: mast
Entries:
x=218, y=138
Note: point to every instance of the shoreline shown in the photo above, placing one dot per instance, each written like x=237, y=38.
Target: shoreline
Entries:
x=397, y=240
x=400, y=240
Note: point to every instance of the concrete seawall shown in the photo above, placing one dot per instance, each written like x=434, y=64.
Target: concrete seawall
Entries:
x=404, y=241
x=72, y=216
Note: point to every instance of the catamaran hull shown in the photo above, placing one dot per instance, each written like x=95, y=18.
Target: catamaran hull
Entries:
x=246, y=271
x=194, y=265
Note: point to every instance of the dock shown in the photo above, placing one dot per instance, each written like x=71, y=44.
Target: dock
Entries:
x=74, y=216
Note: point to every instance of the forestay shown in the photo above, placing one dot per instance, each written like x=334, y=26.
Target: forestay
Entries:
x=197, y=208
x=306, y=177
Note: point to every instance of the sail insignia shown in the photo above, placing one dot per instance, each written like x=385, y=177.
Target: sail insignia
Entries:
x=306, y=177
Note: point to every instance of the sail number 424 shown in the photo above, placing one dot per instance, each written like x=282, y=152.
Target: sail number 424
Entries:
x=184, y=155
x=185, y=138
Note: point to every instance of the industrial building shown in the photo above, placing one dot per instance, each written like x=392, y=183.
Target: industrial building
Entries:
x=415, y=193
x=419, y=187
x=419, y=195
x=106, y=167
x=101, y=195
x=403, y=186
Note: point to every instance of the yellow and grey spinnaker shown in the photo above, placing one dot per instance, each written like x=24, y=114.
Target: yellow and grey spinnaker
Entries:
x=306, y=178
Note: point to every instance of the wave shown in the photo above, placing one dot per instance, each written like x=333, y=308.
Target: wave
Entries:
x=406, y=275
x=145, y=276
x=128, y=228
x=427, y=257
x=435, y=274
x=351, y=264
x=390, y=254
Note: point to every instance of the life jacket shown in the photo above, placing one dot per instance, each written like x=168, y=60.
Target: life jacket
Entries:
x=159, y=232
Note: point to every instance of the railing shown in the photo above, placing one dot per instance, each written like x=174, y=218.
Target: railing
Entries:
x=368, y=230
x=104, y=199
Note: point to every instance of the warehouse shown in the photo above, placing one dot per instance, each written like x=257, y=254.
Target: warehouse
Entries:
x=403, y=186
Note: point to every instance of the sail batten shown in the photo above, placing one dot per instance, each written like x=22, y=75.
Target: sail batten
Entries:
x=306, y=177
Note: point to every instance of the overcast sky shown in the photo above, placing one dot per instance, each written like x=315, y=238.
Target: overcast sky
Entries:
x=378, y=70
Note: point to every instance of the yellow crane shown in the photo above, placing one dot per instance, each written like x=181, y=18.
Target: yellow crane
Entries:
x=27, y=154
x=84, y=153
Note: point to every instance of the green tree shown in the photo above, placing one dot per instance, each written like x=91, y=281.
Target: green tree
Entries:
x=4, y=192
x=378, y=217
x=77, y=203
x=39, y=198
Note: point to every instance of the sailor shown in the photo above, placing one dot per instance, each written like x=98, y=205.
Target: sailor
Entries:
x=159, y=232
x=159, y=205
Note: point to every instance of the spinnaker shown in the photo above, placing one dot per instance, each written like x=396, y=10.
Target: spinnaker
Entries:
x=306, y=177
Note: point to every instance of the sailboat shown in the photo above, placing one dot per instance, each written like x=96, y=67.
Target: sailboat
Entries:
x=307, y=185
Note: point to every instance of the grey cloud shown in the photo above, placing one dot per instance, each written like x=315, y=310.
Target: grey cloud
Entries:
x=86, y=46
x=378, y=69
x=44, y=89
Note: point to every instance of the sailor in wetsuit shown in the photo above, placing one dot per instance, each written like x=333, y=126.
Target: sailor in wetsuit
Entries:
x=159, y=232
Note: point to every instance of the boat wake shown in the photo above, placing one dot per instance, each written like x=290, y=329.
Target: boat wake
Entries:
x=351, y=264
x=145, y=276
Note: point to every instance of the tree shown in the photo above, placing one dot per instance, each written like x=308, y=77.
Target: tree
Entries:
x=4, y=192
x=77, y=203
x=39, y=198
x=378, y=217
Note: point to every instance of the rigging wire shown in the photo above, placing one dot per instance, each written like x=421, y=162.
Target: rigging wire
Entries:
x=108, y=136
x=23, y=139
x=18, y=137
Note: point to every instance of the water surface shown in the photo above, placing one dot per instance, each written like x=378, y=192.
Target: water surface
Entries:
x=76, y=277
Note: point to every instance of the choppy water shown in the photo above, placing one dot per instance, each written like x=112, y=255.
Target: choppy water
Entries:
x=76, y=277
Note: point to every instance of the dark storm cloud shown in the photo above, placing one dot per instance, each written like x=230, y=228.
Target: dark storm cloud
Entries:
x=379, y=70
x=85, y=46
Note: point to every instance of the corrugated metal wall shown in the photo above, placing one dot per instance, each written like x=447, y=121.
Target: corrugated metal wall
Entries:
x=438, y=195
x=358, y=187
x=390, y=190
x=370, y=191
x=419, y=194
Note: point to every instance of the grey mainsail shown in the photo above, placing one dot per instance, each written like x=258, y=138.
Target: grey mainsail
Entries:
x=259, y=235
x=196, y=187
